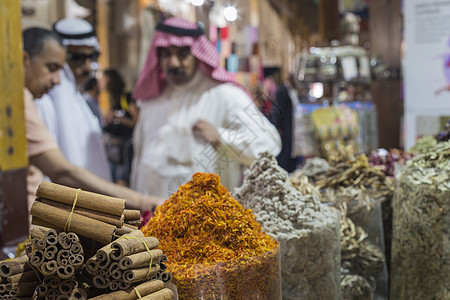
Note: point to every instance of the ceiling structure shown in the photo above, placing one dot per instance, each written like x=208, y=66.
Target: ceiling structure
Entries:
x=302, y=15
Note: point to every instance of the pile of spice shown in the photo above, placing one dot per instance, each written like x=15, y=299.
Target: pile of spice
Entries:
x=424, y=144
x=308, y=231
x=386, y=160
x=357, y=189
x=421, y=227
x=215, y=248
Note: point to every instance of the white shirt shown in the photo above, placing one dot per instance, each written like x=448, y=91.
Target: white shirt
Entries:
x=166, y=151
x=75, y=128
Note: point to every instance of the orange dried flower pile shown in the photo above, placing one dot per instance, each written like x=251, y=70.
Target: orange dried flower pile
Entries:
x=207, y=234
x=203, y=223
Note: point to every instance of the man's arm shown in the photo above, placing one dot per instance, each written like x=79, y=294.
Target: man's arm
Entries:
x=53, y=164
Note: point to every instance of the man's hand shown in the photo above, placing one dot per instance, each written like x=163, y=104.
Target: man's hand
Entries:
x=205, y=130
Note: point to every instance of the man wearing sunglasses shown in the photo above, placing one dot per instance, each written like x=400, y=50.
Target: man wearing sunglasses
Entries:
x=65, y=111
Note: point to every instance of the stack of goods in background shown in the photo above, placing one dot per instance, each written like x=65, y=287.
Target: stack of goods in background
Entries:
x=80, y=225
x=215, y=248
x=357, y=189
x=421, y=226
x=307, y=230
x=390, y=162
x=317, y=125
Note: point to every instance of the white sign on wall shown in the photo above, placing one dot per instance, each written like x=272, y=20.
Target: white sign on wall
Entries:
x=426, y=67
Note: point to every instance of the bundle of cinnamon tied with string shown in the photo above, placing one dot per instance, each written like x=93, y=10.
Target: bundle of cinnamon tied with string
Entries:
x=57, y=257
x=130, y=260
x=72, y=225
x=17, y=279
x=68, y=209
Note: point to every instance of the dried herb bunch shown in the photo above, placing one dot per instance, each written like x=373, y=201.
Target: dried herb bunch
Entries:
x=421, y=227
x=215, y=247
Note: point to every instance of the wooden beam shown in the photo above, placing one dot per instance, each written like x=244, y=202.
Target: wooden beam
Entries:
x=13, y=153
x=328, y=20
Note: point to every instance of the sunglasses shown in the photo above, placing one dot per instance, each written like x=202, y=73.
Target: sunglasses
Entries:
x=80, y=58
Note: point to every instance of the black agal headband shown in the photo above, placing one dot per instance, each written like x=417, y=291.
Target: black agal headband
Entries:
x=181, y=31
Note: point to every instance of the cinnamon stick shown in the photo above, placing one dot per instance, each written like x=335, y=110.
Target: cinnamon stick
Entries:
x=64, y=241
x=37, y=258
x=144, y=289
x=76, y=260
x=76, y=248
x=63, y=257
x=37, y=221
x=13, y=267
x=66, y=287
x=78, y=294
x=50, y=252
x=141, y=259
x=92, y=201
x=96, y=215
x=126, y=246
x=39, y=244
x=164, y=294
x=49, y=268
x=65, y=272
x=114, y=285
x=93, y=229
x=92, y=266
x=166, y=277
x=41, y=290
x=132, y=214
x=123, y=230
x=51, y=237
x=135, y=275
x=101, y=281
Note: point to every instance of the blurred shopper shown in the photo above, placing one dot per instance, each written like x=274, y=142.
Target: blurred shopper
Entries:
x=65, y=112
x=192, y=118
x=91, y=94
x=282, y=116
x=118, y=127
x=44, y=56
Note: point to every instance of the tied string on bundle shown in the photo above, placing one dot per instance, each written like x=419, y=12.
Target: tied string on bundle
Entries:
x=137, y=293
x=69, y=220
x=149, y=252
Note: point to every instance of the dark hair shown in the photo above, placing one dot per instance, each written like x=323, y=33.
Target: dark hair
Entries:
x=34, y=39
x=91, y=84
x=115, y=85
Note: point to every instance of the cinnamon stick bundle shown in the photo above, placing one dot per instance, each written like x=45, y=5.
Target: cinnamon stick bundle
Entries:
x=115, y=220
x=144, y=289
x=164, y=294
x=92, y=201
x=93, y=229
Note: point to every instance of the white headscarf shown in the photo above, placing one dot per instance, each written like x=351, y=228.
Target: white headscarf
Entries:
x=76, y=32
